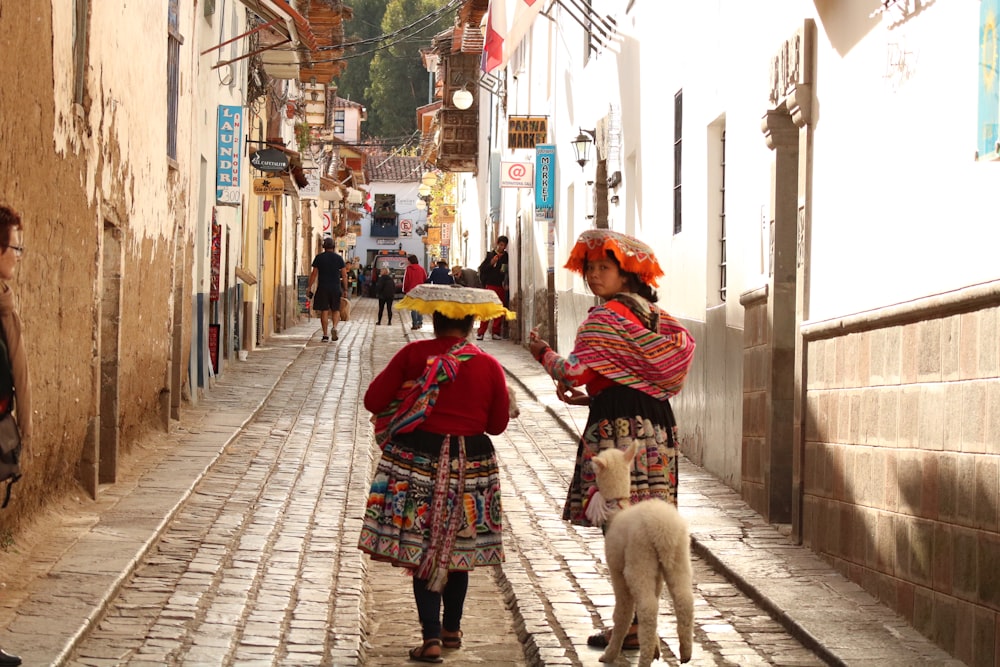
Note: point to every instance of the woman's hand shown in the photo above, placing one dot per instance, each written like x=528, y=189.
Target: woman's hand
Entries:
x=536, y=344
x=571, y=395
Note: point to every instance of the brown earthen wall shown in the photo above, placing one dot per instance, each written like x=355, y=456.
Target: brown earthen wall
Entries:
x=57, y=284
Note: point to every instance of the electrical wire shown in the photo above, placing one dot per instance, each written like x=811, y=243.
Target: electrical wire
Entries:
x=433, y=16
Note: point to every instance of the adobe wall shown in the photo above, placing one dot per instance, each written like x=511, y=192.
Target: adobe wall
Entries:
x=71, y=172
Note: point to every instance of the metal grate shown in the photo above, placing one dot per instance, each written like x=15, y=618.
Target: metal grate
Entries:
x=678, y=125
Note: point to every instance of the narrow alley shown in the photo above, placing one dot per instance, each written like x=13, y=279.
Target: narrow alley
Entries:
x=255, y=563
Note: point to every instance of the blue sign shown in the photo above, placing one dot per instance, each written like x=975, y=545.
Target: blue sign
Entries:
x=227, y=162
x=545, y=176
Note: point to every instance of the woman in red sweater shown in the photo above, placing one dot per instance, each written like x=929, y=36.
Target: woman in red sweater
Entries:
x=631, y=357
x=435, y=402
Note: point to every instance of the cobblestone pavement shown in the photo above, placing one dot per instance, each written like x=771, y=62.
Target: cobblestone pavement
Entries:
x=238, y=548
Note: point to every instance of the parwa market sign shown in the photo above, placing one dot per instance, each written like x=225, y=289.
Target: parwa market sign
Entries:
x=269, y=159
x=527, y=131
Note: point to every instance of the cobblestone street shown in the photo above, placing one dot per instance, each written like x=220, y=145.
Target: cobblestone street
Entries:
x=258, y=565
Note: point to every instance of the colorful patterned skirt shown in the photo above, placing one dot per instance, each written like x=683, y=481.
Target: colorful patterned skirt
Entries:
x=396, y=526
x=618, y=417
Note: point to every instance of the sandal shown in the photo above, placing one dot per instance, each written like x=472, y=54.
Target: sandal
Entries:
x=601, y=640
x=420, y=654
x=452, y=640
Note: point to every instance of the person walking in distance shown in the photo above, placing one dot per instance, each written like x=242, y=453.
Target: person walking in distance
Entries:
x=385, y=290
x=440, y=275
x=329, y=274
x=414, y=275
x=11, y=249
x=631, y=356
x=493, y=273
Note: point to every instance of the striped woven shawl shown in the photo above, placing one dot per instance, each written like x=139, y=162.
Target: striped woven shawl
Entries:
x=653, y=361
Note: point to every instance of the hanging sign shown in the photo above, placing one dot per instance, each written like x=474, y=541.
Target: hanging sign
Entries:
x=527, y=131
x=516, y=175
x=545, y=176
x=269, y=159
x=268, y=186
x=227, y=160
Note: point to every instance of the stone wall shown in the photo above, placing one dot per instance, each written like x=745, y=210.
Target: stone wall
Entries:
x=901, y=464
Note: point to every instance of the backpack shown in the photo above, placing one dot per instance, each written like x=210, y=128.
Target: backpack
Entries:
x=10, y=435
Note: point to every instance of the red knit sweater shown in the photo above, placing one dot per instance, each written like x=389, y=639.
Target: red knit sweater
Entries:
x=475, y=402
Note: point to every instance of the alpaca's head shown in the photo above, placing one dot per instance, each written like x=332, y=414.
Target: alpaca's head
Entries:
x=613, y=467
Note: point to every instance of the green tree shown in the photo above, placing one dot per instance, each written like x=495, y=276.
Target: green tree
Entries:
x=365, y=25
x=399, y=82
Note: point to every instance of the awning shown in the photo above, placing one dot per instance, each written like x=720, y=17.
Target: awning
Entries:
x=290, y=23
x=291, y=29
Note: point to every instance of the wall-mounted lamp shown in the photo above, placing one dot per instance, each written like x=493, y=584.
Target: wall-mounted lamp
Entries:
x=581, y=146
x=421, y=204
x=462, y=99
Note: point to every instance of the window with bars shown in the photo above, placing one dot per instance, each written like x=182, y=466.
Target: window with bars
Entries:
x=81, y=9
x=678, y=124
x=338, y=121
x=174, y=41
x=722, y=219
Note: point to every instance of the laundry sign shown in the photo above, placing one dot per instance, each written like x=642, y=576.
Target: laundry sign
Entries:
x=227, y=161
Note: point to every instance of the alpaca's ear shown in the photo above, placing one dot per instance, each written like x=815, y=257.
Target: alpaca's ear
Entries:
x=631, y=451
x=598, y=464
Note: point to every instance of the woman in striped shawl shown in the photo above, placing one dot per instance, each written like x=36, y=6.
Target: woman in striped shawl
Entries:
x=631, y=357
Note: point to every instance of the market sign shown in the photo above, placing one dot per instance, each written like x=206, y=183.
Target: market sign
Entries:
x=268, y=186
x=527, y=131
x=545, y=176
x=269, y=159
x=227, y=160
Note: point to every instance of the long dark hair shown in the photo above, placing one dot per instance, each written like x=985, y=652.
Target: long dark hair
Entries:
x=635, y=284
x=443, y=324
x=9, y=221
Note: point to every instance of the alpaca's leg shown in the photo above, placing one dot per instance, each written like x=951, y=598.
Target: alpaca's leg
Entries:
x=647, y=605
x=622, y=618
x=680, y=585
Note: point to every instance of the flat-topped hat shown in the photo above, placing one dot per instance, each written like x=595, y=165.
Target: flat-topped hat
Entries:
x=455, y=302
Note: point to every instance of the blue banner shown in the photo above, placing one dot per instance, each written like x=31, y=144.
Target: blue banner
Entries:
x=989, y=86
x=227, y=162
x=545, y=176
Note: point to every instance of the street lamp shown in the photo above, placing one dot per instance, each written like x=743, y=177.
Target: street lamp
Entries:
x=462, y=99
x=581, y=146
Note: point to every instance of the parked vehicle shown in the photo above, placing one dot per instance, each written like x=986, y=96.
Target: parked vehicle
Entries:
x=395, y=261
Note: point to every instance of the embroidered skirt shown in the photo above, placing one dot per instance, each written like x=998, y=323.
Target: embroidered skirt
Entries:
x=396, y=526
x=619, y=416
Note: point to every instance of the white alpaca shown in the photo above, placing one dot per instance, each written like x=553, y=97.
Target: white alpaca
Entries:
x=645, y=544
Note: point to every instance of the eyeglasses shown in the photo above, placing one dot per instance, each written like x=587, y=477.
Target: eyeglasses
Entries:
x=18, y=250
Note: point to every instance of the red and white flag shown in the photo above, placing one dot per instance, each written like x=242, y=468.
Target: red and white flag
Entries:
x=502, y=40
x=369, y=201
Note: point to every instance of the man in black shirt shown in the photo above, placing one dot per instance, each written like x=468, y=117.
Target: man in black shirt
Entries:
x=329, y=274
x=493, y=273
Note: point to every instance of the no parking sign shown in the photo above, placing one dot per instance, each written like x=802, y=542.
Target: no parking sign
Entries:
x=517, y=175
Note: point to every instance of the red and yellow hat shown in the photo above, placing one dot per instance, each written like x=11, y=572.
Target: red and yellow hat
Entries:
x=632, y=254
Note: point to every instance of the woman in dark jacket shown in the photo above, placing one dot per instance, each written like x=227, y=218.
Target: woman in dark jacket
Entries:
x=385, y=290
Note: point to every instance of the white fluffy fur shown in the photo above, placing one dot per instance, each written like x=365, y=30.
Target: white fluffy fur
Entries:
x=645, y=545
x=513, y=410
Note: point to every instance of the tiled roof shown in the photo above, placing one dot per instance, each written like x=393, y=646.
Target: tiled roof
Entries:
x=398, y=168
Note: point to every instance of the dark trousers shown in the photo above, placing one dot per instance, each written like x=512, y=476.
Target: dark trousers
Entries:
x=384, y=304
x=429, y=604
